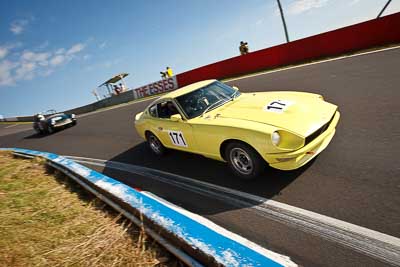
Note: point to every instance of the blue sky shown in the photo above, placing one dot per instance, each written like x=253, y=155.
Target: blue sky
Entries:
x=53, y=53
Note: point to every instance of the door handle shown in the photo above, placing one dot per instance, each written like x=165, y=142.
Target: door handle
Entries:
x=160, y=128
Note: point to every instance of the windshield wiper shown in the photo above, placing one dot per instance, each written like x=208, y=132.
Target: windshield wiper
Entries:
x=234, y=95
x=214, y=104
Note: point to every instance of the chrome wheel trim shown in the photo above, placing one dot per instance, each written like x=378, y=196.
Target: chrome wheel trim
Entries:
x=155, y=144
x=241, y=161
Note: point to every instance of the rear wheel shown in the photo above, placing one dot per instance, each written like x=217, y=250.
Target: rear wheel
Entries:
x=50, y=129
x=244, y=161
x=155, y=144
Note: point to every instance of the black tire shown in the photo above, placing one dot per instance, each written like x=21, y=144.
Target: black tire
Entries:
x=37, y=130
x=155, y=144
x=74, y=123
x=50, y=129
x=244, y=161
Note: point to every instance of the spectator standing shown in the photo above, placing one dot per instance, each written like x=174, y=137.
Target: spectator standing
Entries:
x=169, y=72
x=121, y=87
x=243, y=48
x=117, y=90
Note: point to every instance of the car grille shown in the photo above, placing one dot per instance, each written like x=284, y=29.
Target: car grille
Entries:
x=318, y=132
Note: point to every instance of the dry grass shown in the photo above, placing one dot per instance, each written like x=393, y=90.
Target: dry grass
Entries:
x=46, y=220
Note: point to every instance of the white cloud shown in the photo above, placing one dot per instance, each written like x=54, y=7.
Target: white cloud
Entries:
x=43, y=63
x=32, y=56
x=28, y=64
x=75, y=49
x=103, y=45
x=18, y=26
x=60, y=51
x=3, y=51
x=300, y=6
x=25, y=71
x=57, y=60
x=6, y=68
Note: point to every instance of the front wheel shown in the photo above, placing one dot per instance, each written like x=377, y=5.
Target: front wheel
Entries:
x=244, y=161
x=38, y=130
x=155, y=145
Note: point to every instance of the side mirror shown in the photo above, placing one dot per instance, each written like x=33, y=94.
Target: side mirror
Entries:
x=236, y=88
x=176, y=117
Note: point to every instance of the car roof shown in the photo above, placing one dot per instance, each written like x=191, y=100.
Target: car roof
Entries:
x=187, y=89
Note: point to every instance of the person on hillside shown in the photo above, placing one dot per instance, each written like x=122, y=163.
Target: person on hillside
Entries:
x=243, y=48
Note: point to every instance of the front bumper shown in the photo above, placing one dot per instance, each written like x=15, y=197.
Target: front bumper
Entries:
x=296, y=159
x=63, y=123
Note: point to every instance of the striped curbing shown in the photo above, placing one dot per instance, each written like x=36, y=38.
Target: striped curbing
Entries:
x=218, y=245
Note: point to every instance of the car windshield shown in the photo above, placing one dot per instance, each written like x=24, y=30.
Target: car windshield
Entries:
x=55, y=115
x=206, y=98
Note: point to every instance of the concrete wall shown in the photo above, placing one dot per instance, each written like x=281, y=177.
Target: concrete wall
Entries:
x=111, y=101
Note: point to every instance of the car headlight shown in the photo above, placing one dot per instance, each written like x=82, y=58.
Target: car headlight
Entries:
x=286, y=140
x=276, y=138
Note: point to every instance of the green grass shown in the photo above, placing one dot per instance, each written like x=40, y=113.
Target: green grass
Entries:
x=15, y=122
x=47, y=220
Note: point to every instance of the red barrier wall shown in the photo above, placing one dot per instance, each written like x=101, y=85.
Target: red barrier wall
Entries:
x=367, y=34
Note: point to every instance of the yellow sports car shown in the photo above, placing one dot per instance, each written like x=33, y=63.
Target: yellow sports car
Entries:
x=284, y=129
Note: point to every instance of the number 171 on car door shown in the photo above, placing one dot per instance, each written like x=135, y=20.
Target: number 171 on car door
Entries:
x=177, y=138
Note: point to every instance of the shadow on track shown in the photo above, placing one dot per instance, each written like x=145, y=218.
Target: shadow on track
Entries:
x=35, y=136
x=197, y=167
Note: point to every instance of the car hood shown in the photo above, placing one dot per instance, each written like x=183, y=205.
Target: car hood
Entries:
x=298, y=112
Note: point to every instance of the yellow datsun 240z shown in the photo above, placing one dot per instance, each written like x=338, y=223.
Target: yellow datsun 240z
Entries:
x=284, y=129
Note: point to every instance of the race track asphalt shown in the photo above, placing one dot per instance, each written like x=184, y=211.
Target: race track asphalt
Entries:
x=356, y=179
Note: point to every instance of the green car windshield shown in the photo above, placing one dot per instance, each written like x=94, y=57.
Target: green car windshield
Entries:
x=206, y=98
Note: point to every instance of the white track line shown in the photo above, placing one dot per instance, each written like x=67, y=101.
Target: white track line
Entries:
x=10, y=126
x=377, y=245
x=311, y=63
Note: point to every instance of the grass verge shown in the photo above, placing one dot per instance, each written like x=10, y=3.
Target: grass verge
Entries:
x=15, y=122
x=47, y=220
